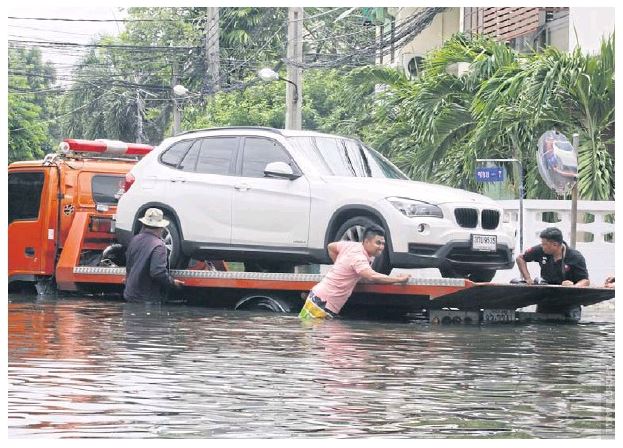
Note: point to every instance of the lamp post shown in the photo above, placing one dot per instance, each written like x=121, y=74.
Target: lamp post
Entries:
x=521, y=193
x=293, y=109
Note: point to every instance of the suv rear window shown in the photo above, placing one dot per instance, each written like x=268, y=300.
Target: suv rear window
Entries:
x=104, y=188
x=174, y=155
x=25, y=195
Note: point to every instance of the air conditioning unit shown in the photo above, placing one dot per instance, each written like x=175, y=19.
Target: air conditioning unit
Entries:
x=412, y=64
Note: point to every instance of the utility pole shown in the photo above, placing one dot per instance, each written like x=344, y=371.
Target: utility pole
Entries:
x=140, y=106
x=294, y=90
x=575, y=139
x=176, y=108
x=139, y=117
x=212, y=50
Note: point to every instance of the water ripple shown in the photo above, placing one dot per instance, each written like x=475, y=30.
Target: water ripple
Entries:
x=98, y=369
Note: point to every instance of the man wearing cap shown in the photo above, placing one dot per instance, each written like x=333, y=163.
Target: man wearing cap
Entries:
x=560, y=265
x=147, y=274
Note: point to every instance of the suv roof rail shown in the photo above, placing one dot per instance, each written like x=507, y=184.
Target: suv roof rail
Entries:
x=262, y=128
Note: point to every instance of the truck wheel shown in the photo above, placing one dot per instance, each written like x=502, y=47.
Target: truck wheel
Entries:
x=266, y=302
x=352, y=230
x=173, y=243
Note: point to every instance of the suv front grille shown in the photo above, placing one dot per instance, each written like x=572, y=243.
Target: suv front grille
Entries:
x=423, y=249
x=466, y=217
x=490, y=219
x=467, y=255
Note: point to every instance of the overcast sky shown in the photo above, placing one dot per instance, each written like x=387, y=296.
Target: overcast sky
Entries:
x=58, y=31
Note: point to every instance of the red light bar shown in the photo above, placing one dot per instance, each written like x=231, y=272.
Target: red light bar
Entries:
x=113, y=147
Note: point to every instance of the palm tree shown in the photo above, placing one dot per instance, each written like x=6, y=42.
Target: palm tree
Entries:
x=499, y=107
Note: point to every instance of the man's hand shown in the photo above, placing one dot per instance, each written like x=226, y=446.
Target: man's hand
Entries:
x=404, y=278
x=178, y=283
x=584, y=283
x=529, y=281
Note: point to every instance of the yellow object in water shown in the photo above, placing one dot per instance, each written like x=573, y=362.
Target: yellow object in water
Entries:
x=312, y=311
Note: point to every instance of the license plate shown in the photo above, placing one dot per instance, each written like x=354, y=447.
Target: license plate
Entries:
x=501, y=315
x=484, y=243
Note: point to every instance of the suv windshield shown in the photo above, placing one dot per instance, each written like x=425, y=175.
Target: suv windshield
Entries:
x=344, y=157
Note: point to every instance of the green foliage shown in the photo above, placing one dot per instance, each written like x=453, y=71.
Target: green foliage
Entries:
x=442, y=121
x=258, y=105
x=31, y=130
x=27, y=133
x=474, y=98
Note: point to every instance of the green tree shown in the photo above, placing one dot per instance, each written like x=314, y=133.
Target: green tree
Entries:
x=499, y=107
x=31, y=105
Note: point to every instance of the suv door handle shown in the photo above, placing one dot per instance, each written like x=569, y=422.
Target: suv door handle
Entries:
x=29, y=251
x=242, y=187
x=178, y=179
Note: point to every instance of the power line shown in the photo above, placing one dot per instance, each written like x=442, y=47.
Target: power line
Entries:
x=116, y=46
x=62, y=115
x=401, y=35
x=65, y=19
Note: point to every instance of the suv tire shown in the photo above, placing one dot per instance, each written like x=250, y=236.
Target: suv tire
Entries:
x=352, y=230
x=173, y=242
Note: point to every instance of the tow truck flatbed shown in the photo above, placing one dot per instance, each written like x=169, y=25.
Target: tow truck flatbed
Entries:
x=443, y=299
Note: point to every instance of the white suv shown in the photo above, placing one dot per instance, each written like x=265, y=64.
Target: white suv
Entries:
x=275, y=198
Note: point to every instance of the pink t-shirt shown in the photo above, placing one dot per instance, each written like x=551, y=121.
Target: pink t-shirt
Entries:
x=336, y=287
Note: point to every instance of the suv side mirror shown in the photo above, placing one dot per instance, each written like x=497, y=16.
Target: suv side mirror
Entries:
x=281, y=170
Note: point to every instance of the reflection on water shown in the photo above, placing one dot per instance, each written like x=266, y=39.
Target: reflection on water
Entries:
x=85, y=368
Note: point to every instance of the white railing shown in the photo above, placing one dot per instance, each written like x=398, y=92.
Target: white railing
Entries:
x=599, y=253
x=595, y=233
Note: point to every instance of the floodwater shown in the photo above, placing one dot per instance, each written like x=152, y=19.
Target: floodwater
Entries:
x=106, y=369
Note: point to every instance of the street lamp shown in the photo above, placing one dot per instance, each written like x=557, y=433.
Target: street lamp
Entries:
x=178, y=91
x=268, y=75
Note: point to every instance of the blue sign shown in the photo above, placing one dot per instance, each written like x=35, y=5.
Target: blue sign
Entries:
x=489, y=174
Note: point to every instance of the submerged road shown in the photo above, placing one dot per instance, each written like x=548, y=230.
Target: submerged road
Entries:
x=81, y=367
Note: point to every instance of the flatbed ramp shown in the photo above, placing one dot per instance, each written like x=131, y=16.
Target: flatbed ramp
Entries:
x=443, y=300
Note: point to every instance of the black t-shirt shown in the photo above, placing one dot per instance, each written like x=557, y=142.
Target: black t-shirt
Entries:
x=552, y=271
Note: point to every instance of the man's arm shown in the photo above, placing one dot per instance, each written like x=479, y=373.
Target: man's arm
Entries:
x=158, y=268
x=584, y=283
x=579, y=276
x=376, y=277
x=333, y=251
x=523, y=269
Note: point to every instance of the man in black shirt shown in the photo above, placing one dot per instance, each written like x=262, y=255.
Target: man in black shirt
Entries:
x=146, y=272
x=560, y=265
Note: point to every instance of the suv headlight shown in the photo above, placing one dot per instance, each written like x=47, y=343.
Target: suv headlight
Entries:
x=411, y=207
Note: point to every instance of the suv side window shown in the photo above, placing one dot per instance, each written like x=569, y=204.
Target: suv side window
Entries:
x=218, y=155
x=258, y=152
x=25, y=195
x=174, y=155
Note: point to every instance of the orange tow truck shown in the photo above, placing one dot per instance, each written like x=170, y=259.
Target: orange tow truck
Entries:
x=61, y=224
x=45, y=196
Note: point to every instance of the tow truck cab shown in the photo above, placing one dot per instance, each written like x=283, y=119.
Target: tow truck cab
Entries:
x=45, y=195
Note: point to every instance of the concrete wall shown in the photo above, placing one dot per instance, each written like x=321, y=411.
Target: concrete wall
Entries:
x=591, y=25
x=442, y=27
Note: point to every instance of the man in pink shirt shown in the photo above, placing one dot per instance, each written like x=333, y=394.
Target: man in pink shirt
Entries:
x=351, y=262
